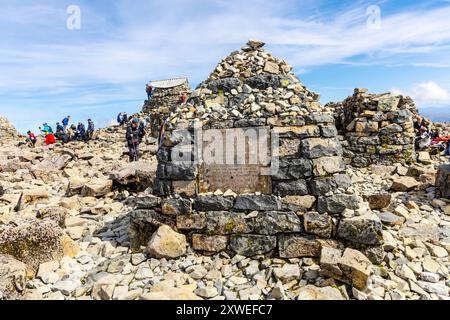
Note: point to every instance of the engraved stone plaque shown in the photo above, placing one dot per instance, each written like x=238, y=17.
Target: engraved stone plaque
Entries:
x=235, y=159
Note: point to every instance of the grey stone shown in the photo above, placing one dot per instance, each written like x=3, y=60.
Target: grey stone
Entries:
x=318, y=224
x=297, y=246
x=337, y=203
x=322, y=186
x=291, y=188
x=263, y=81
x=224, y=223
x=257, y=202
x=390, y=219
x=362, y=230
x=213, y=203
x=174, y=206
x=274, y=222
x=147, y=202
x=251, y=245
x=313, y=148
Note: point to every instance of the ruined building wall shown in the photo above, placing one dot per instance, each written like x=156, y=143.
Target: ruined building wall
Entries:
x=163, y=102
x=376, y=128
x=291, y=213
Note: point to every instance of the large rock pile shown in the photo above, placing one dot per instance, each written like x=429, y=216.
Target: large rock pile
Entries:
x=377, y=128
x=250, y=87
x=302, y=203
x=7, y=130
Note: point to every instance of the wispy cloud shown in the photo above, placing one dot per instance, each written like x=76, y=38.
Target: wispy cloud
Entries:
x=427, y=94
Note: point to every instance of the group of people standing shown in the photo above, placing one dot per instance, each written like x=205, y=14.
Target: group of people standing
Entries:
x=65, y=132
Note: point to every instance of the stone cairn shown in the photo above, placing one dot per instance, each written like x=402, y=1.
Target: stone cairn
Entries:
x=376, y=128
x=7, y=130
x=293, y=213
x=163, y=102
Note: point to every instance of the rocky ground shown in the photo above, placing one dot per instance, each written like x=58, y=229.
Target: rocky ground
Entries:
x=64, y=234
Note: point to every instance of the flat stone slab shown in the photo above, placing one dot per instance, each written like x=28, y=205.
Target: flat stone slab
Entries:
x=390, y=219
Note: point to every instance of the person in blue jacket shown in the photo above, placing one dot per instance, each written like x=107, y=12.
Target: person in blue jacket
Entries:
x=65, y=122
x=46, y=129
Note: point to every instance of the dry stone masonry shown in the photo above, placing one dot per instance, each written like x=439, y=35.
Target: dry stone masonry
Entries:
x=377, y=128
x=293, y=211
x=165, y=99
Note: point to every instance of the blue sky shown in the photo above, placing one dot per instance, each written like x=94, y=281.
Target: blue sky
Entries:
x=48, y=71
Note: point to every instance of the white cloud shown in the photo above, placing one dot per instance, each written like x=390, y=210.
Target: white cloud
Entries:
x=165, y=40
x=427, y=94
x=430, y=93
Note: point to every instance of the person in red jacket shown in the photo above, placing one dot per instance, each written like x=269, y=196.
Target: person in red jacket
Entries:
x=31, y=138
x=50, y=139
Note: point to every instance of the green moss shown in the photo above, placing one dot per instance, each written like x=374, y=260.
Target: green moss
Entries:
x=229, y=227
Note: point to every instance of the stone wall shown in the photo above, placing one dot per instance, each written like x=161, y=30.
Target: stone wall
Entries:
x=377, y=128
x=163, y=102
x=306, y=205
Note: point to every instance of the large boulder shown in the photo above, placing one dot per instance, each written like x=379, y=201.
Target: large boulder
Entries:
x=443, y=180
x=166, y=243
x=351, y=267
x=143, y=223
x=13, y=275
x=404, y=184
x=35, y=243
x=54, y=162
x=48, y=169
x=97, y=188
x=366, y=230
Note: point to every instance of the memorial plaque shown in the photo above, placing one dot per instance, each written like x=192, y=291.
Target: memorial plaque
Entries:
x=240, y=156
x=240, y=179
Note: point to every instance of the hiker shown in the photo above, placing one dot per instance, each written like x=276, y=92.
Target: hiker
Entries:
x=134, y=136
x=32, y=139
x=80, y=134
x=50, y=139
x=120, y=118
x=71, y=132
x=124, y=119
x=65, y=122
x=424, y=140
x=149, y=90
x=60, y=131
x=46, y=129
x=90, y=130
